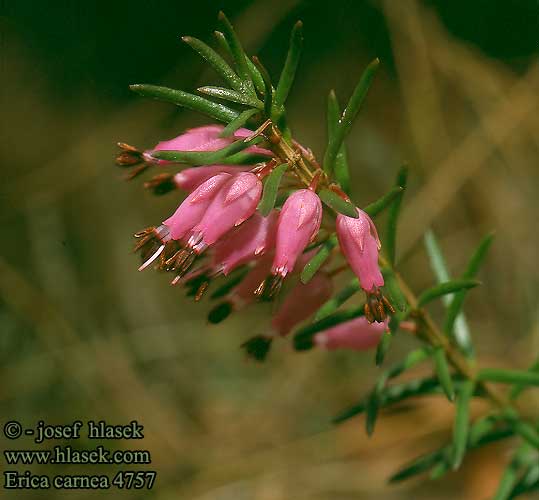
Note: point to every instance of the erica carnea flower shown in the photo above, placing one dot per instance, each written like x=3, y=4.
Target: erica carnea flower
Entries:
x=190, y=178
x=298, y=225
x=245, y=243
x=151, y=243
x=200, y=139
x=244, y=293
x=219, y=238
x=357, y=334
x=152, y=240
x=193, y=208
x=233, y=204
x=359, y=243
x=300, y=303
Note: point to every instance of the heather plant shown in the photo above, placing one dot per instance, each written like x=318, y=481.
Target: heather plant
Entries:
x=265, y=220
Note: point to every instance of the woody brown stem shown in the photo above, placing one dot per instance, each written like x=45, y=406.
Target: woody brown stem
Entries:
x=429, y=331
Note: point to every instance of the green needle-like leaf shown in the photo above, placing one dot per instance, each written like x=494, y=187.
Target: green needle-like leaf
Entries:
x=383, y=347
x=462, y=332
x=518, y=388
x=348, y=115
x=186, y=100
x=303, y=339
x=480, y=428
x=390, y=242
x=232, y=96
x=255, y=74
x=436, y=258
x=215, y=61
x=507, y=483
x=318, y=260
x=271, y=187
x=455, y=306
x=442, y=289
x=374, y=208
x=412, y=359
x=339, y=298
x=442, y=370
x=244, y=158
x=341, y=170
x=439, y=470
x=393, y=394
x=512, y=472
x=484, y=434
x=528, y=483
x=237, y=53
x=372, y=413
x=417, y=466
x=238, y=122
x=335, y=202
x=290, y=66
x=527, y=432
x=205, y=157
x=268, y=88
x=508, y=376
x=462, y=422
x=392, y=290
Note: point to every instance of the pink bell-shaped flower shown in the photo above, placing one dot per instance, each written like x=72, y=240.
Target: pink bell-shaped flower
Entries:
x=193, y=208
x=359, y=243
x=244, y=293
x=234, y=203
x=162, y=241
x=298, y=225
x=202, y=139
x=302, y=301
x=191, y=178
x=245, y=243
x=357, y=334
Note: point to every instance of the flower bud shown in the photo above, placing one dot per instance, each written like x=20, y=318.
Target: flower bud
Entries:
x=357, y=334
x=193, y=208
x=302, y=301
x=298, y=225
x=234, y=203
x=244, y=294
x=359, y=244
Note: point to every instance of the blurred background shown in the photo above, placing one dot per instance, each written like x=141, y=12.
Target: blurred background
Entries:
x=84, y=335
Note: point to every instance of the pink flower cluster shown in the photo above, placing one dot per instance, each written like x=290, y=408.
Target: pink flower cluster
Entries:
x=217, y=229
